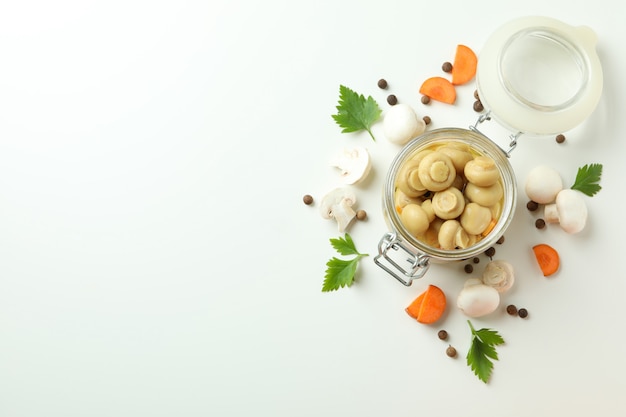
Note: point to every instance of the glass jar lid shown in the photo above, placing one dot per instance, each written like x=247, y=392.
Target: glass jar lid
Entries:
x=539, y=75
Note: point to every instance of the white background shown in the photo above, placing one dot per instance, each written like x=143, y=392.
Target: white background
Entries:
x=156, y=258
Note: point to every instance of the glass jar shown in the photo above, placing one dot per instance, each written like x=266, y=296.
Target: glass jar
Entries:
x=406, y=257
x=535, y=75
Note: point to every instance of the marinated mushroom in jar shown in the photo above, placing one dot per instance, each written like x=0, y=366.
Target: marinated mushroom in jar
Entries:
x=454, y=195
x=415, y=219
x=436, y=171
x=485, y=196
x=448, y=204
x=459, y=153
x=482, y=171
x=475, y=218
x=408, y=180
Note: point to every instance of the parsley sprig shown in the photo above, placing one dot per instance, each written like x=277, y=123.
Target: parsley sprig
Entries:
x=482, y=350
x=588, y=178
x=355, y=112
x=340, y=272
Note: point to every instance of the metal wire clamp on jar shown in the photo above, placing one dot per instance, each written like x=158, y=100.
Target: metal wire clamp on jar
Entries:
x=536, y=75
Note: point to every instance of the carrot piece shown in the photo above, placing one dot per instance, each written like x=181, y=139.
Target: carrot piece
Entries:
x=464, y=67
x=440, y=89
x=547, y=258
x=429, y=306
x=414, y=308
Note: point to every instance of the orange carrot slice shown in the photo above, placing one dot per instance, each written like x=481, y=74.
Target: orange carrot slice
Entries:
x=547, y=258
x=440, y=89
x=464, y=67
x=429, y=306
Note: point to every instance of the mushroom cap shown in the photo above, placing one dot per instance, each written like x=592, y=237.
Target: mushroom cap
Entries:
x=485, y=196
x=449, y=203
x=415, y=219
x=408, y=180
x=436, y=171
x=543, y=184
x=478, y=300
x=569, y=210
x=482, y=171
x=448, y=234
x=499, y=275
x=459, y=153
x=475, y=218
x=355, y=164
x=401, y=124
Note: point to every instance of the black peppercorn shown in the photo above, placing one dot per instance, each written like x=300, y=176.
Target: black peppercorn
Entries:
x=522, y=312
x=476, y=259
x=540, y=223
x=532, y=205
x=500, y=241
x=478, y=106
x=308, y=199
x=490, y=252
x=382, y=83
x=427, y=120
x=442, y=334
x=560, y=138
x=446, y=66
x=511, y=309
x=468, y=268
x=425, y=100
x=392, y=99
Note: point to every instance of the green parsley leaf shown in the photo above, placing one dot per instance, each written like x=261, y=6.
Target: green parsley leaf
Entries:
x=482, y=350
x=344, y=245
x=587, y=179
x=340, y=272
x=355, y=112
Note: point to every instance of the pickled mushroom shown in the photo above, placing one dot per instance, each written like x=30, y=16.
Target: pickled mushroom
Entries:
x=436, y=171
x=449, y=203
x=415, y=219
x=485, y=196
x=482, y=171
x=459, y=153
x=475, y=218
x=408, y=180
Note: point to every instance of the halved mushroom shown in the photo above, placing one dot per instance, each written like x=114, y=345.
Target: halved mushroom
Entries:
x=485, y=196
x=337, y=205
x=475, y=218
x=355, y=164
x=414, y=219
x=482, y=171
x=408, y=180
x=448, y=203
x=436, y=171
x=499, y=275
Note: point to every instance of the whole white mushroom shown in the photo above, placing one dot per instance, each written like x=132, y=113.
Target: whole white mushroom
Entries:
x=569, y=211
x=401, y=124
x=543, y=184
x=477, y=299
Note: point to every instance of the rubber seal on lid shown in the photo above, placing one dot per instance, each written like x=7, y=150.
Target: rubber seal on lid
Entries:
x=538, y=75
